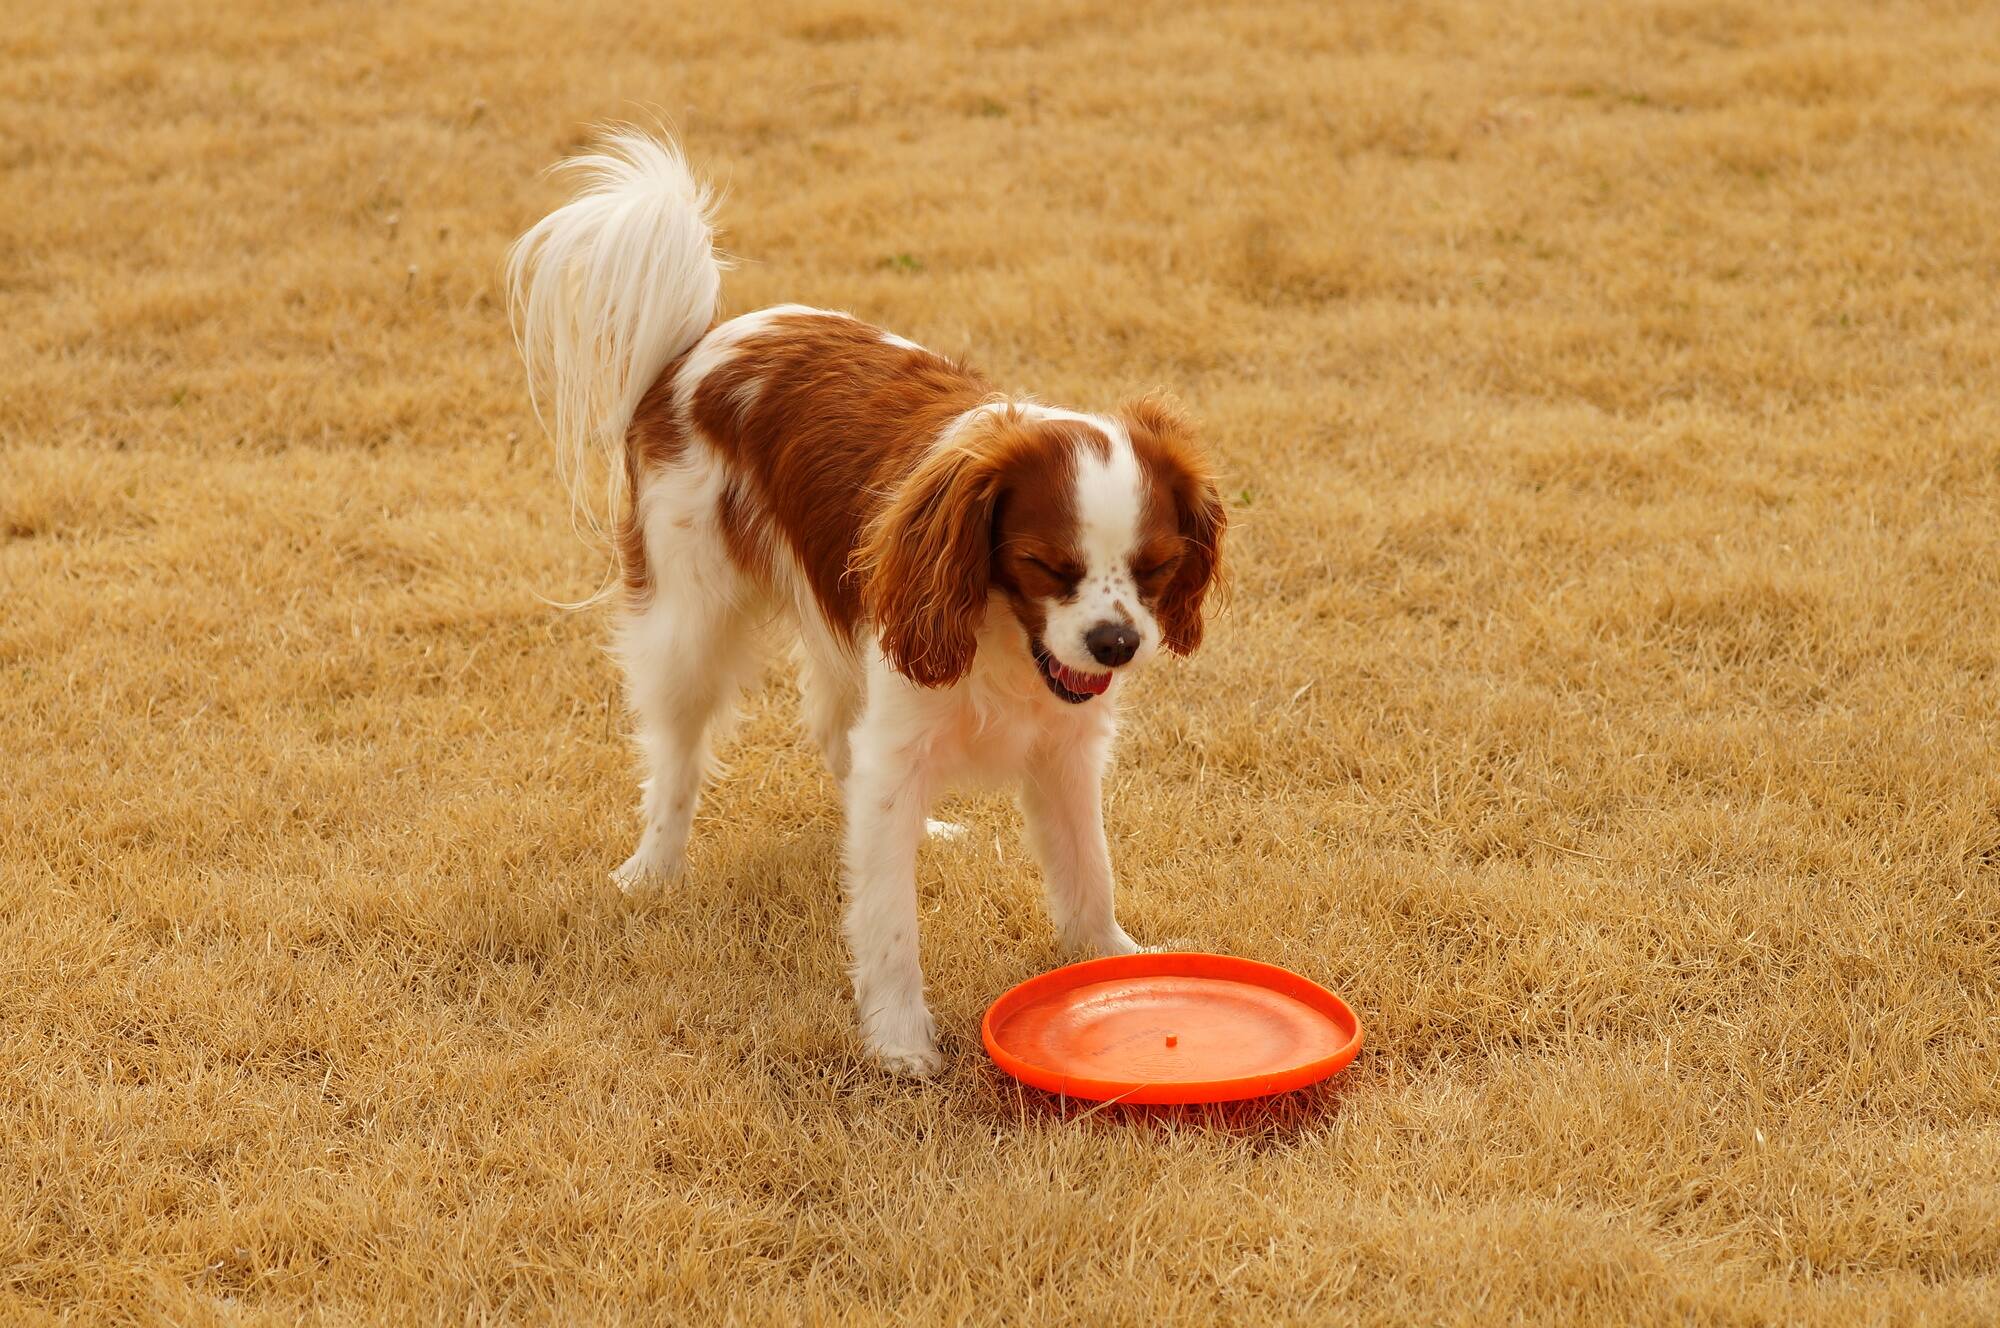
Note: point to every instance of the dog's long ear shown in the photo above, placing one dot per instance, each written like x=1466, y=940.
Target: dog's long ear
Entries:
x=925, y=562
x=1166, y=442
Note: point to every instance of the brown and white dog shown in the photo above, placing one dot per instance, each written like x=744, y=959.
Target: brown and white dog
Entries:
x=968, y=575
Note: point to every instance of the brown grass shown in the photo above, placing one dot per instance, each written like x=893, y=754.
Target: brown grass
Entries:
x=1608, y=707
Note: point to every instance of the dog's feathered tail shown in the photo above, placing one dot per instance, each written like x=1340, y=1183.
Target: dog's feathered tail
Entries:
x=603, y=293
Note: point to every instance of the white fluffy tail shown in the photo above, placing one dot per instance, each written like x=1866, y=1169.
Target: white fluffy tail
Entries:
x=603, y=293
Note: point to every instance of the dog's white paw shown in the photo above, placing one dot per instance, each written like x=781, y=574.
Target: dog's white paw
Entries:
x=1118, y=943
x=644, y=871
x=946, y=830
x=903, y=1040
x=1101, y=943
x=910, y=1062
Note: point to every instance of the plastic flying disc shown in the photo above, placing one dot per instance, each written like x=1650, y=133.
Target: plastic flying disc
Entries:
x=1170, y=1028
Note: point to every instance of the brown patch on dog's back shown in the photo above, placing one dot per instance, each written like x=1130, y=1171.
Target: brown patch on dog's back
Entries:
x=799, y=412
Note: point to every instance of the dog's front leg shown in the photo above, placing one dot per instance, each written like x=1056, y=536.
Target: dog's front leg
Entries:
x=887, y=794
x=1062, y=797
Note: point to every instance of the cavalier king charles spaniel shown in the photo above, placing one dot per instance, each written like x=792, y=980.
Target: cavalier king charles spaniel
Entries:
x=968, y=576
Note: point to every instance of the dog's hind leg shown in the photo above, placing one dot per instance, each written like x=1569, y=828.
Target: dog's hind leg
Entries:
x=686, y=649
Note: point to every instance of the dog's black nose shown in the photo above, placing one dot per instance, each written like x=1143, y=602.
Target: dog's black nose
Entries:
x=1112, y=643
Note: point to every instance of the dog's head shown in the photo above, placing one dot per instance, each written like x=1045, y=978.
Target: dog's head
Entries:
x=1102, y=535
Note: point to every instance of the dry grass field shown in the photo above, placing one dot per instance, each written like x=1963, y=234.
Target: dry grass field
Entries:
x=1608, y=705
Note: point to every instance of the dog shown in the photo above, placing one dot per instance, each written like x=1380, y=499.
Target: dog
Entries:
x=968, y=577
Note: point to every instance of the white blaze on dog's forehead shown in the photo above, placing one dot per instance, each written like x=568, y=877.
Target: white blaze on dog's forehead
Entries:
x=891, y=339
x=1109, y=489
x=1108, y=493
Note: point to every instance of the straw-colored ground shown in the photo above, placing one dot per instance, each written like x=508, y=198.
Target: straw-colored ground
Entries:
x=1607, y=705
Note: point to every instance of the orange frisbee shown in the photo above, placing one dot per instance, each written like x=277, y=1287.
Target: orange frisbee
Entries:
x=1170, y=1028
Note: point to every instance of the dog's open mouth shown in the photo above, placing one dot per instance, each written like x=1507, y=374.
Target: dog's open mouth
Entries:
x=1072, y=685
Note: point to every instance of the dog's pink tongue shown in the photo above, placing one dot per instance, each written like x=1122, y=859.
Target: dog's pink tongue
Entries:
x=1084, y=684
